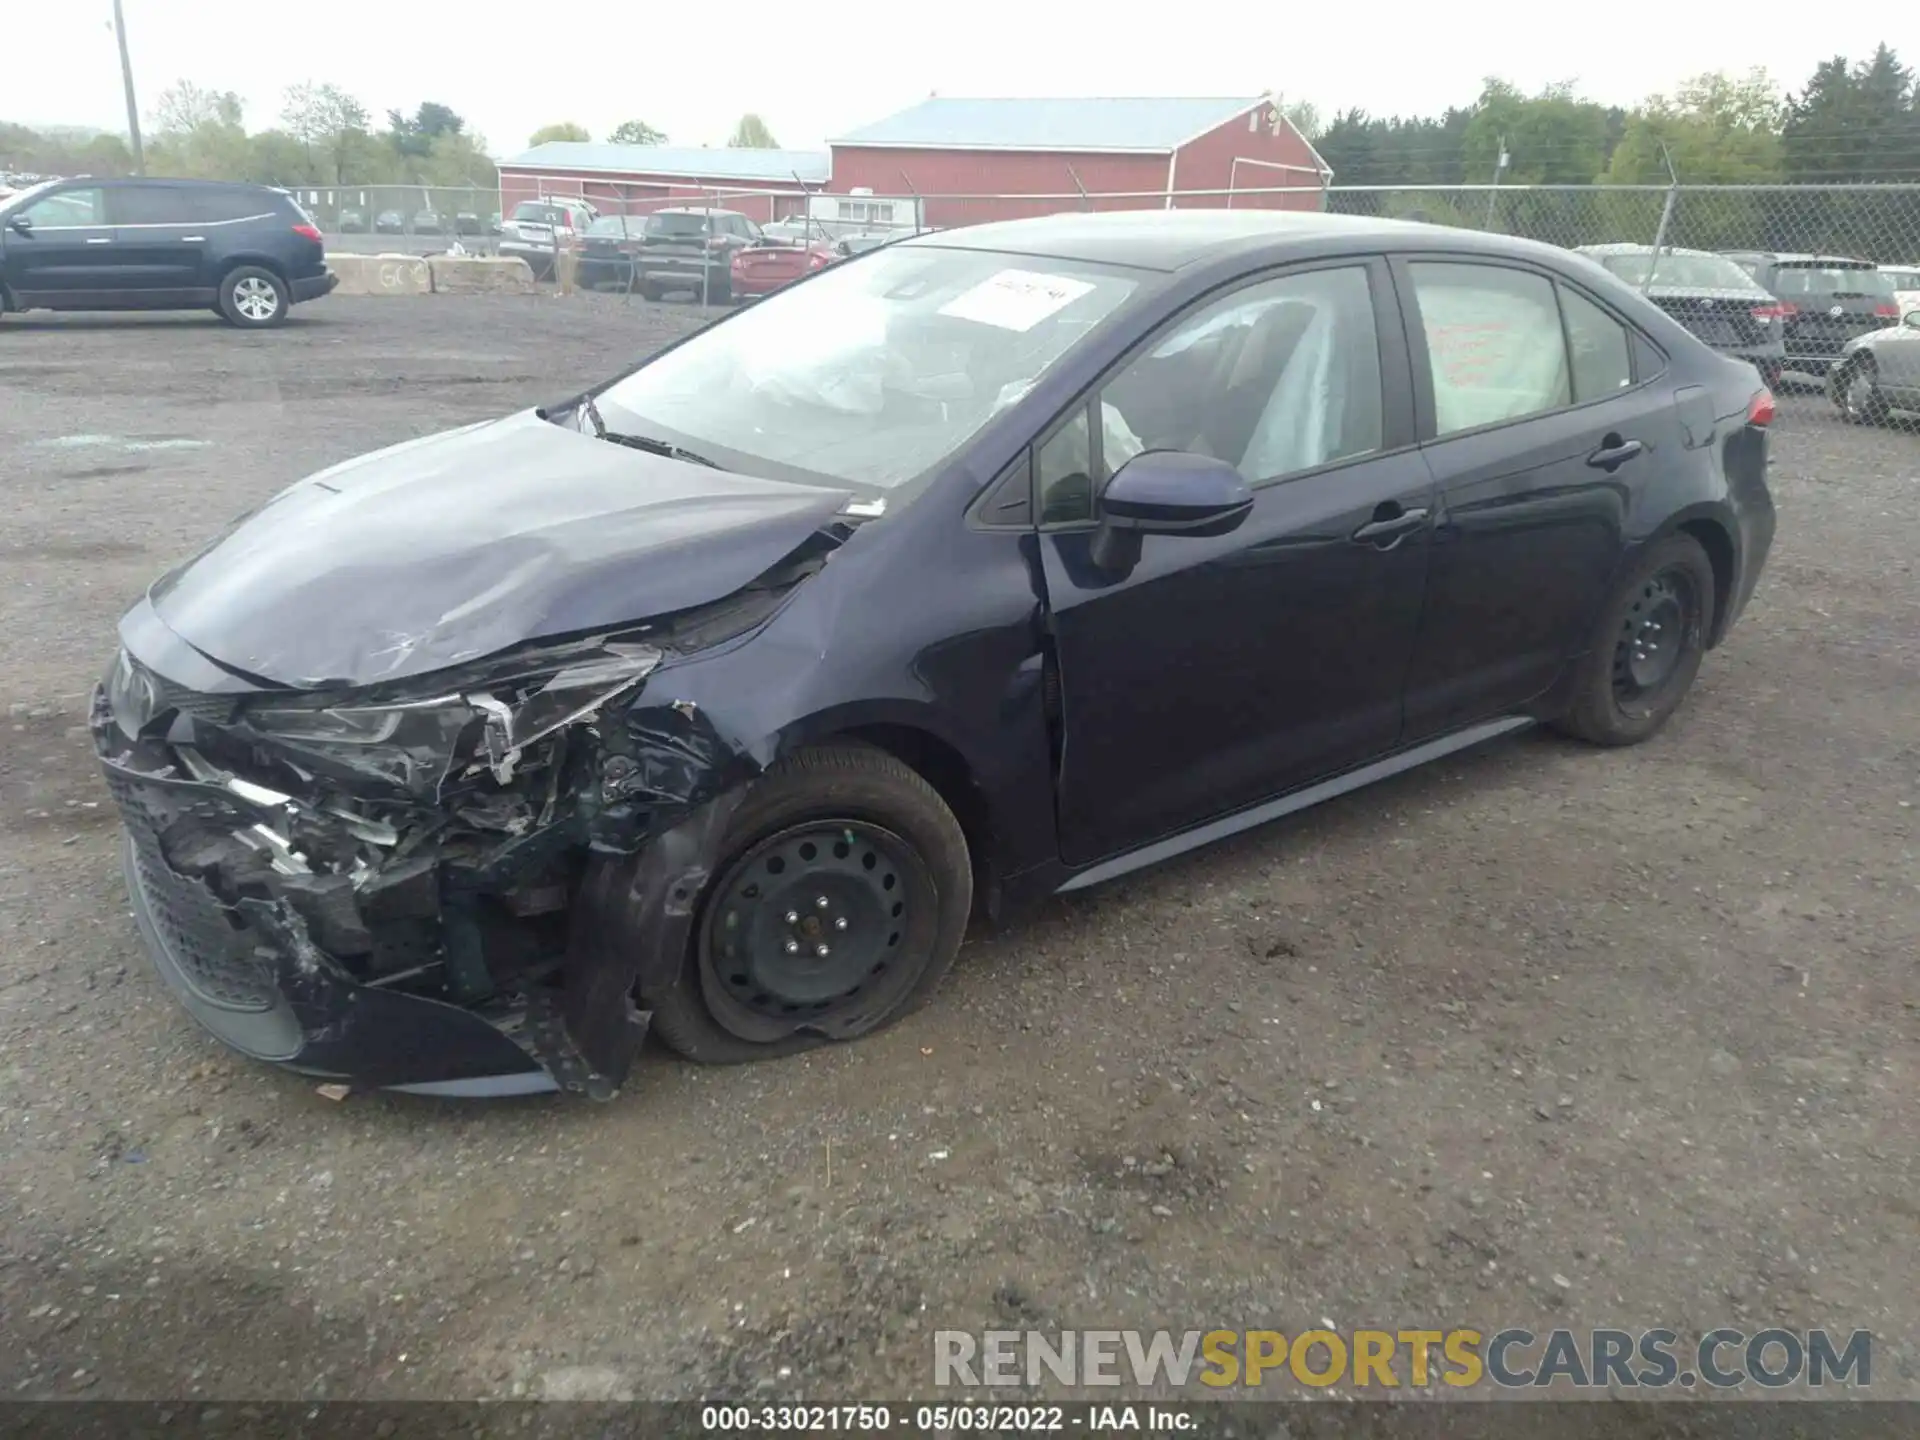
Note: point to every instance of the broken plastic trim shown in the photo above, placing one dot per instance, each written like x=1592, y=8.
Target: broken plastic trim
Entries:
x=569, y=697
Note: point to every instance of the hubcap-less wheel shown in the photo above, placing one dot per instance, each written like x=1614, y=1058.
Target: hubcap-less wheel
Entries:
x=808, y=920
x=1653, y=635
x=256, y=298
x=1859, y=392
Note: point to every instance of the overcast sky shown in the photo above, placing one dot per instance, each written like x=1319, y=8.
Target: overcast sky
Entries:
x=815, y=70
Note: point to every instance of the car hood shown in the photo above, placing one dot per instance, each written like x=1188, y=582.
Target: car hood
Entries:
x=458, y=545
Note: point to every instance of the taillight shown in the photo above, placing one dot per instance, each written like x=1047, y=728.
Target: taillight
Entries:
x=1760, y=409
x=1887, y=310
x=819, y=262
x=1778, y=311
x=307, y=232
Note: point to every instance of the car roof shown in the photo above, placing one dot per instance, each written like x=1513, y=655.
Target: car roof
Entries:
x=693, y=210
x=1172, y=239
x=1625, y=247
x=1795, y=257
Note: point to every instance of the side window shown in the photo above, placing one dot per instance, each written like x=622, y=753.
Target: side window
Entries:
x=146, y=205
x=1602, y=353
x=68, y=208
x=1494, y=343
x=1274, y=378
x=1066, y=473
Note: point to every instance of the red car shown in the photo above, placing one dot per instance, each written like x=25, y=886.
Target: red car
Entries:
x=762, y=269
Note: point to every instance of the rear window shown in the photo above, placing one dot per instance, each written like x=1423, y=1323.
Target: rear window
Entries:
x=1690, y=272
x=1839, y=282
x=615, y=225
x=676, y=224
x=539, y=214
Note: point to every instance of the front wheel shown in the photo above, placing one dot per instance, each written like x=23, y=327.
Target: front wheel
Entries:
x=839, y=905
x=1856, y=390
x=253, y=298
x=1648, y=647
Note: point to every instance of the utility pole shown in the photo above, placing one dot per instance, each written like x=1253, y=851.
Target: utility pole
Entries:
x=126, y=79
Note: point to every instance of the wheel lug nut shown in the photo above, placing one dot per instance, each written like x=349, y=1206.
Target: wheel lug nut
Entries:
x=793, y=917
x=821, y=903
x=822, y=951
x=793, y=947
x=840, y=922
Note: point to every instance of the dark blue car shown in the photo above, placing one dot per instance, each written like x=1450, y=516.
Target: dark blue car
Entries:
x=246, y=252
x=985, y=566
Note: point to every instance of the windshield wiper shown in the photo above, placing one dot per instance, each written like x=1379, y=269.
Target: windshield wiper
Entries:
x=591, y=413
x=659, y=447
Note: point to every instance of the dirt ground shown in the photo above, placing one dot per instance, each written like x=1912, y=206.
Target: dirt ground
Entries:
x=1539, y=1036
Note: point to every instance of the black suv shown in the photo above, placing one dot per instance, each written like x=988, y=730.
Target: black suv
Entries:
x=692, y=251
x=1826, y=300
x=247, y=252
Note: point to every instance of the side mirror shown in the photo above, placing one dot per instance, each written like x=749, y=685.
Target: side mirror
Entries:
x=1167, y=492
x=20, y=223
x=1911, y=320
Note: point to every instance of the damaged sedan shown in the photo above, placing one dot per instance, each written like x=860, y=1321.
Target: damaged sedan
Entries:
x=714, y=702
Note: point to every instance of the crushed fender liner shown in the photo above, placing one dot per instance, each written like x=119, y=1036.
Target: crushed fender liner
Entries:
x=453, y=885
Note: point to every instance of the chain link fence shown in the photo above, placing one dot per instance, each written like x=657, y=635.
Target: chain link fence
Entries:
x=1827, y=272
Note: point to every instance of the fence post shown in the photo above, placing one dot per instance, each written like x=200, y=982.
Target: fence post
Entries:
x=1666, y=218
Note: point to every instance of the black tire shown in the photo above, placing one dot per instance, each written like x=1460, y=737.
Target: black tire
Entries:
x=1611, y=705
x=1856, y=391
x=649, y=291
x=254, y=298
x=852, y=790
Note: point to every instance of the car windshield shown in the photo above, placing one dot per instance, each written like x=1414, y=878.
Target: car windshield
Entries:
x=1833, y=281
x=870, y=373
x=674, y=223
x=1681, y=271
x=25, y=197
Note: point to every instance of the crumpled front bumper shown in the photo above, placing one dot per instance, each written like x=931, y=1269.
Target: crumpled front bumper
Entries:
x=248, y=967
x=251, y=973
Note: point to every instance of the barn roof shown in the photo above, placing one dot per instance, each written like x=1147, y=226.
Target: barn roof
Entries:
x=682, y=161
x=1154, y=126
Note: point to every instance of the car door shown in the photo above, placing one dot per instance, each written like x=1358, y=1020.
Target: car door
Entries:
x=59, y=249
x=160, y=236
x=1543, y=417
x=1216, y=672
x=1896, y=360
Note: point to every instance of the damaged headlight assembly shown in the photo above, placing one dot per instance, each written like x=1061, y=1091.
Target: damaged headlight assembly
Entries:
x=487, y=722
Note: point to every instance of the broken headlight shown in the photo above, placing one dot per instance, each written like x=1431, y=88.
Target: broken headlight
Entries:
x=482, y=716
x=132, y=695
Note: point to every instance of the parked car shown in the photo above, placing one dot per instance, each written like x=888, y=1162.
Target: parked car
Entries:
x=428, y=222
x=468, y=223
x=246, y=252
x=608, y=249
x=793, y=232
x=1711, y=296
x=539, y=227
x=1879, y=373
x=1905, y=280
x=691, y=252
x=1830, y=299
x=1022, y=559
x=352, y=222
x=390, y=222
x=762, y=269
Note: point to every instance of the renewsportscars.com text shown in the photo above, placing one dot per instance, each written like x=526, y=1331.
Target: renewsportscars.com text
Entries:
x=1513, y=1358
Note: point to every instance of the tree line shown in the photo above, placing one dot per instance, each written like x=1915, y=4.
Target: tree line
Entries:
x=1851, y=122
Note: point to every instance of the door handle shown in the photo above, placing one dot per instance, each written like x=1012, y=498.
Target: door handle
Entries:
x=99, y=240
x=1614, y=452
x=1390, y=523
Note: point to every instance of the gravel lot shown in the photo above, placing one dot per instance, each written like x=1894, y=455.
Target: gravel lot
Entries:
x=1539, y=1036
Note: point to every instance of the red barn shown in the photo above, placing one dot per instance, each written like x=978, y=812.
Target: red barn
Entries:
x=635, y=179
x=1145, y=148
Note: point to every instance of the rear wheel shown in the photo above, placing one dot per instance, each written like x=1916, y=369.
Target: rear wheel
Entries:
x=1856, y=390
x=253, y=298
x=1648, y=647
x=842, y=900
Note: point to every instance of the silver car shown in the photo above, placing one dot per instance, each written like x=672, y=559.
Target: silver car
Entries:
x=1879, y=373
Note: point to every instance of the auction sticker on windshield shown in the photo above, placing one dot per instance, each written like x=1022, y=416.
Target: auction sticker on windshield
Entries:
x=1015, y=299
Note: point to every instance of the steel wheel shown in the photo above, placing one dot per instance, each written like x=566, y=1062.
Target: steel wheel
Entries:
x=1653, y=635
x=256, y=299
x=807, y=924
